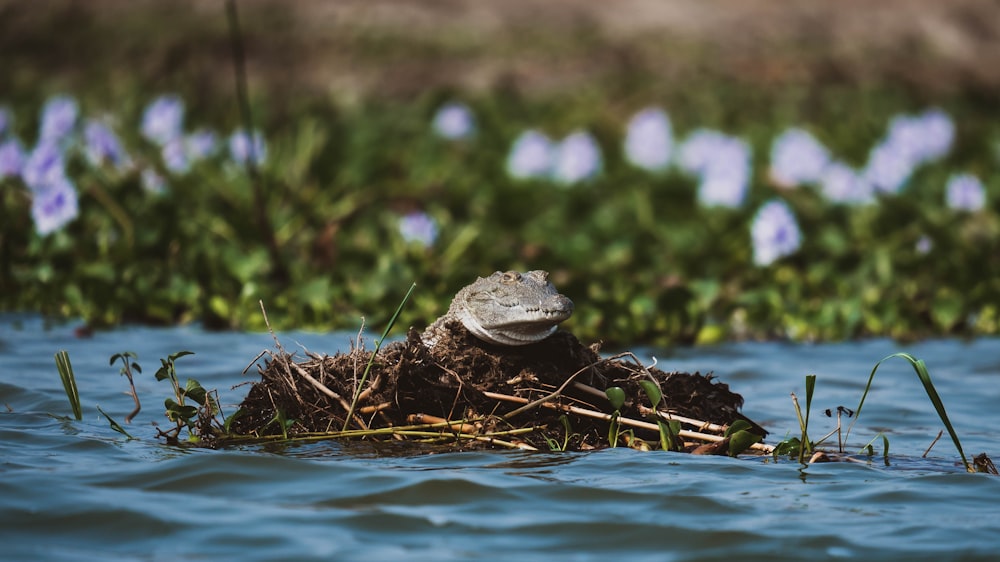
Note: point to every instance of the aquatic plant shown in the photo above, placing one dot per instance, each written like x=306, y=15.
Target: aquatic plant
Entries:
x=774, y=232
x=53, y=205
x=454, y=121
x=616, y=396
x=531, y=156
x=798, y=158
x=965, y=192
x=68, y=377
x=58, y=118
x=418, y=227
x=920, y=368
x=12, y=158
x=163, y=119
x=102, y=145
x=197, y=419
x=577, y=158
x=129, y=364
x=649, y=139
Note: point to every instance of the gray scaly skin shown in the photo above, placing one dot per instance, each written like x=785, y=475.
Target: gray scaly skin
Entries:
x=505, y=309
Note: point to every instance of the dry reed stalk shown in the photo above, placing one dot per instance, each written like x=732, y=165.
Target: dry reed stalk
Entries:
x=623, y=421
x=460, y=426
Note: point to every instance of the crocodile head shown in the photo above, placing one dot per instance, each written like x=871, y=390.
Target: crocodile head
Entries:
x=511, y=308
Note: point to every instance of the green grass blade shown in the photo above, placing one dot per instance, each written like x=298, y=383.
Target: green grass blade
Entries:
x=371, y=360
x=925, y=378
x=114, y=425
x=65, y=369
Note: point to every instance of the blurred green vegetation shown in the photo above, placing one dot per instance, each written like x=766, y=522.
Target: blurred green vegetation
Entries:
x=639, y=257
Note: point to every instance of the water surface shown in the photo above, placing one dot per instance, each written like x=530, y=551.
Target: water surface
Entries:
x=78, y=490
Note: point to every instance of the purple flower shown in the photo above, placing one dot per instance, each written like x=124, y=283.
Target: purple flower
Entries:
x=697, y=150
x=58, y=118
x=162, y=120
x=722, y=164
x=454, y=121
x=240, y=149
x=200, y=145
x=102, y=145
x=175, y=157
x=774, y=233
x=724, y=186
x=922, y=138
x=418, y=227
x=965, y=192
x=152, y=181
x=577, y=158
x=889, y=167
x=44, y=166
x=53, y=206
x=842, y=184
x=649, y=139
x=530, y=156
x=797, y=158
x=939, y=134
x=11, y=158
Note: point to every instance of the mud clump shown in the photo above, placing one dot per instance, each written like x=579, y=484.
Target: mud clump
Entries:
x=470, y=394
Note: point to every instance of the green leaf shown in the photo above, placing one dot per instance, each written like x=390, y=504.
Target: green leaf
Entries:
x=175, y=356
x=194, y=390
x=740, y=441
x=233, y=417
x=114, y=425
x=789, y=447
x=652, y=391
x=925, y=378
x=616, y=395
x=65, y=369
x=176, y=412
x=738, y=425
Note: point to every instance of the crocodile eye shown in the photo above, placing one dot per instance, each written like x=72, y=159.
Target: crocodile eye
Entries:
x=511, y=277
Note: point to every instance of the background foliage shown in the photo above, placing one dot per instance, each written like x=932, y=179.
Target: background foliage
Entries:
x=642, y=259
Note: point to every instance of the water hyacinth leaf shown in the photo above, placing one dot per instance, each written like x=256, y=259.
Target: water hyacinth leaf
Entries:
x=669, y=435
x=616, y=395
x=740, y=441
x=194, y=390
x=738, y=425
x=65, y=369
x=652, y=391
x=178, y=413
x=789, y=447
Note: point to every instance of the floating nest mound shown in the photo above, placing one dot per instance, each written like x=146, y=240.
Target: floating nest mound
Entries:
x=469, y=394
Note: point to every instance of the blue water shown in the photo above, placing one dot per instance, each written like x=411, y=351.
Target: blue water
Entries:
x=78, y=490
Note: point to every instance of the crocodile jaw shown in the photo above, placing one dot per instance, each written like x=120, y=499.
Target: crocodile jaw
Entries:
x=533, y=325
